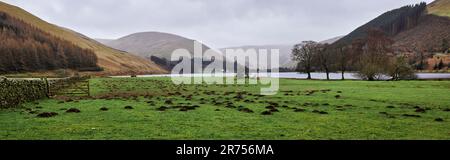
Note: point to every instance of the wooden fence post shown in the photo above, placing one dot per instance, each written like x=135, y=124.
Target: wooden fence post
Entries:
x=88, y=87
x=47, y=86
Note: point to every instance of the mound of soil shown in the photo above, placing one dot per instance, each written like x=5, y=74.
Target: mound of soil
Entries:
x=47, y=114
x=73, y=110
x=338, y=96
x=239, y=97
x=274, y=104
x=411, y=115
x=270, y=107
x=274, y=110
x=390, y=107
x=439, y=120
x=128, y=107
x=184, y=109
x=187, y=108
x=168, y=102
x=162, y=108
x=246, y=110
x=104, y=109
x=320, y=112
x=230, y=105
x=420, y=110
x=299, y=110
x=249, y=101
x=384, y=113
x=266, y=113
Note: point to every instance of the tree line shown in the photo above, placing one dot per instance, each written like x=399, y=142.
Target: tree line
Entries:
x=372, y=57
x=26, y=48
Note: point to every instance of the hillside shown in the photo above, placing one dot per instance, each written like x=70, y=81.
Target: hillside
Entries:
x=391, y=22
x=331, y=40
x=156, y=46
x=428, y=35
x=111, y=60
x=440, y=8
x=411, y=27
x=432, y=29
x=24, y=48
x=147, y=44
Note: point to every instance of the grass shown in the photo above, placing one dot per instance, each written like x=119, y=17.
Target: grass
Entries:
x=363, y=110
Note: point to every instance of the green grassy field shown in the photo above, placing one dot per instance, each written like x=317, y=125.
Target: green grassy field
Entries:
x=157, y=109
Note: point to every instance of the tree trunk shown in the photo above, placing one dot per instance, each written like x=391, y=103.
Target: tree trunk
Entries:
x=343, y=76
x=309, y=75
x=328, y=75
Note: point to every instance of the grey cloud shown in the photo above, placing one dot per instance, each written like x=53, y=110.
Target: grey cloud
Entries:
x=214, y=22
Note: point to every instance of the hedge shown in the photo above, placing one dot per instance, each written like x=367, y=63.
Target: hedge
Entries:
x=15, y=92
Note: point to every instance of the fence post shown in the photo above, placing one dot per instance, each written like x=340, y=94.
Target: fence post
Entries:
x=89, y=88
x=47, y=86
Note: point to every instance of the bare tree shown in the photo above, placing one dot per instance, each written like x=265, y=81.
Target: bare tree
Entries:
x=344, y=59
x=304, y=54
x=375, y=55
x=324, y=59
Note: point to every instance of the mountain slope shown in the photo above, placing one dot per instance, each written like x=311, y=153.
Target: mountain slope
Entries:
x=331, y=40
x=285, y=52
x=440, y=8
x=428, y=35
x=411, y=27
x=158, y=47
x=391, y=22
x=147, y=44
x=111, y=60
x=25, y=48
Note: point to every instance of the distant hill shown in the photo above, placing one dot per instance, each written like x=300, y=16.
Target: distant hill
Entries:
x=103, y=41
x=156, y=46
x=147, y=44
x=285, y=52
x=331, y=40
x=111, y=60
x=411, y=27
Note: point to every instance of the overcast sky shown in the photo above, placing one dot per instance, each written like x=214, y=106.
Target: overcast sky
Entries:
x=217, y=23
